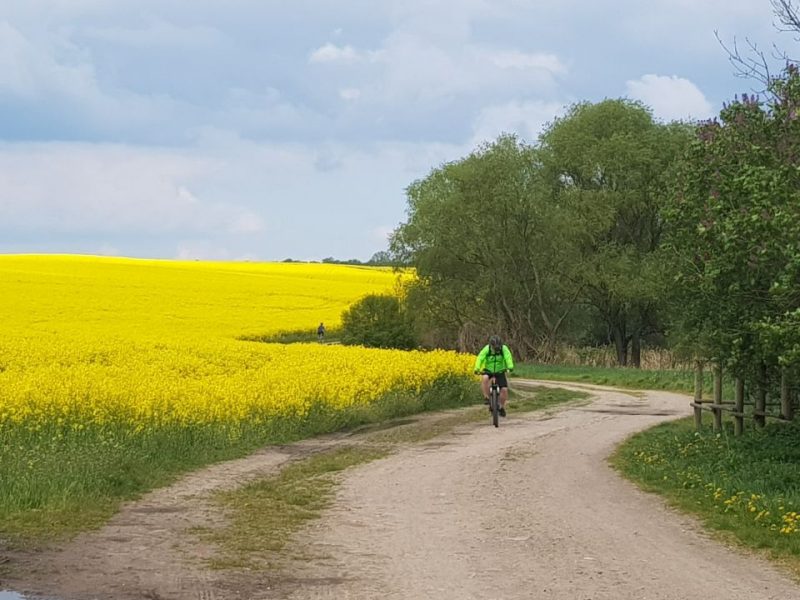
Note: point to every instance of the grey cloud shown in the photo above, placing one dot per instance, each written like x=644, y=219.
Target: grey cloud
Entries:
x=146, y=72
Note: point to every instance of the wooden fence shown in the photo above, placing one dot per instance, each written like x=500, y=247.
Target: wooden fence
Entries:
x=740, y=406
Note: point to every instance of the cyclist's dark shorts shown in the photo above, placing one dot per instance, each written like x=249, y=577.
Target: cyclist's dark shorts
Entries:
x=499, y=377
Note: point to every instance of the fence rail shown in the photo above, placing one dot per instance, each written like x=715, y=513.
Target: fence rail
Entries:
x=736, y=407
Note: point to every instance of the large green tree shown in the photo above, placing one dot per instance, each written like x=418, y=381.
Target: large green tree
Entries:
x=514, y=238
x=607, y=164
x=490, y=248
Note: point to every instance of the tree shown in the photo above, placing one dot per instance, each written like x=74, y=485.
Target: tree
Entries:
x=607, y=164
x=491, y=251
x=382, y=258
x=378, y=321
x=753, y=63
x=734, y=230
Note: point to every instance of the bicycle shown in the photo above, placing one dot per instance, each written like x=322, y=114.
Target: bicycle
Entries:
x=494, y=400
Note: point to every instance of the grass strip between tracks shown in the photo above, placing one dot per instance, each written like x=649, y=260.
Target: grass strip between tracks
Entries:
x=263, y=515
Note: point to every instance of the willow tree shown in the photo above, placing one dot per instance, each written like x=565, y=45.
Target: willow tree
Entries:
x=608, y=165
x=491, y=250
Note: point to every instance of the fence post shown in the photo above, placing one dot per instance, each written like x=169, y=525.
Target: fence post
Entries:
x=761, y=397
x=698, y=395
x=738, y=423
x=787, y=410
x=717, y=397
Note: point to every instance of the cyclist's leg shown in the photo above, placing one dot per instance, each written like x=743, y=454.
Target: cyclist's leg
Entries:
x=485, y=386
x=502, y=381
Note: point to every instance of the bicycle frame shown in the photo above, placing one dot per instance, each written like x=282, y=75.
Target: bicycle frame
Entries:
x=494, y=401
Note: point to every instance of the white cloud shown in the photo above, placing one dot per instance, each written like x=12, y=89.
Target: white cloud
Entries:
x=525, y=119
x=332, y=53
x=422, y=71
x=670, y=97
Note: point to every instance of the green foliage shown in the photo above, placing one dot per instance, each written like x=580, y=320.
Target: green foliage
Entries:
x=378, y=321
x=747, y=485
x=518, y=239
x=734, y=231
x=492, y=252
x=608, y=163
x=382, y=258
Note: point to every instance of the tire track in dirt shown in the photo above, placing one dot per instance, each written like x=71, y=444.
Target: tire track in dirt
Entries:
x=148, y=550
x=531, y=510
x=525, y=511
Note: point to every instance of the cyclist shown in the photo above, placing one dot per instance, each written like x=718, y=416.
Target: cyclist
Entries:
x=494, y=360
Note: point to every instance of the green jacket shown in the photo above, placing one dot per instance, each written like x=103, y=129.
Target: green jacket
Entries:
x=494, y=363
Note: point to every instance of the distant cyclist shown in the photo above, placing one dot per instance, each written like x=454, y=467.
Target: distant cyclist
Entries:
x=321, y=332
x=494, y=360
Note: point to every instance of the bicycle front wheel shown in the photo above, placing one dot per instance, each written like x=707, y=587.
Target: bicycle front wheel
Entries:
x=494, y=402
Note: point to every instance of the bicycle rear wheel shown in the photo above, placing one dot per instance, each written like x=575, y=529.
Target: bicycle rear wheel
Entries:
x=494, y=403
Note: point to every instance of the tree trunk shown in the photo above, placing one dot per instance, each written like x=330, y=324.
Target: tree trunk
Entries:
x=761, y=396
x=636, y=350
x=621, y=344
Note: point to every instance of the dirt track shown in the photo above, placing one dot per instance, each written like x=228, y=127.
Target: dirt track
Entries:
x=530, y=510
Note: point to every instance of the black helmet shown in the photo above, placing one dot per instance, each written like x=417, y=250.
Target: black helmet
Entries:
x=496, y=343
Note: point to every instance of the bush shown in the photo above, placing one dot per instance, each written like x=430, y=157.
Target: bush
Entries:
x=378, y=321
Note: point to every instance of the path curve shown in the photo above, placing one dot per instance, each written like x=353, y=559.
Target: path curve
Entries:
x=531, y=510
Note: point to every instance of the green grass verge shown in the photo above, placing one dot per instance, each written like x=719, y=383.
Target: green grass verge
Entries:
x=56, y=482
x=747, y=486
x=264, y=514
x=301, y=336
x=626, y=377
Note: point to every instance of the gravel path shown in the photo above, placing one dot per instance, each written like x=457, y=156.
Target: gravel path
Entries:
x=529, y=510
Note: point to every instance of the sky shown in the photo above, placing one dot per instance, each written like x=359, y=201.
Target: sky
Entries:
x=268, y=129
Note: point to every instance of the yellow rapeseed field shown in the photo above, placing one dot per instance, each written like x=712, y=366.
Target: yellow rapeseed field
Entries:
x=143, y=343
